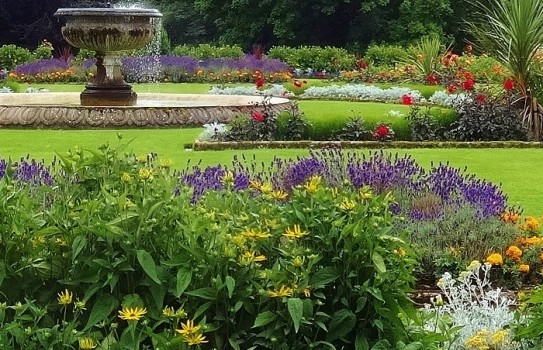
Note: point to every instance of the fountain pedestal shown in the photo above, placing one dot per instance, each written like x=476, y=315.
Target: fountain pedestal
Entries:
x=108, y=32
x=108, y=87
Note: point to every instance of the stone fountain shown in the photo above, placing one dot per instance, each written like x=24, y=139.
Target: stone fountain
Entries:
x=108, y=101
x=108, y=32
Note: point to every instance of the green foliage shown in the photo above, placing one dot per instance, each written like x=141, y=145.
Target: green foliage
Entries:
x=456, y=239
x=512, y=32
x=12, y=55
x=354, y=130
x=13, y=85
x=426, y=56
x=248, y=268
x=482, y=118
x=43, y=51
x=423, y=125
x=207, y=51
x=529, y=317
x=385, y=55
x=331, y=59
x=293, y=125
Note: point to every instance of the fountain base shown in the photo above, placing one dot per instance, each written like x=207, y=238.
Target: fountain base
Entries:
x=108, y=96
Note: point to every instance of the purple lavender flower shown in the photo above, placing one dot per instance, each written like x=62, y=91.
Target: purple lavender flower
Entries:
x=41, y=66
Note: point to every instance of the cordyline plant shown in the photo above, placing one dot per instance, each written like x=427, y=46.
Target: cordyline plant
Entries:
x=512, y=32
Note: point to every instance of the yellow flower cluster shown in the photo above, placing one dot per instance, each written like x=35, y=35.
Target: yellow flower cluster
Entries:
x=530, y=224
x=249, y=257
x=192, y=334
x=510, y=217
x=514, y=253
x=495, y=259
x=486, y=340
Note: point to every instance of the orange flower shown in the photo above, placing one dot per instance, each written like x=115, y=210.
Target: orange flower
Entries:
x=513, y=252
x=524, y=268
x=495, y=259
x=534, y=240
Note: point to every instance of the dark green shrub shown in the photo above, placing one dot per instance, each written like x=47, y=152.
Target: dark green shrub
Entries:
x=44, y=51
x=424, y=126
x=292, y=125
x=12, y=55
x=482, y=118
x=207, y=51
x=354, y=130
x=330, y=59
x=385, y=55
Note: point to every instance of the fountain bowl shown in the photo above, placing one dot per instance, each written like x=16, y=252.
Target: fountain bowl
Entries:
x=57, y=110
x=108, y=29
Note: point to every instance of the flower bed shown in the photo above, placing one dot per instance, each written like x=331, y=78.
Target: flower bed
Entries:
x=289, y=254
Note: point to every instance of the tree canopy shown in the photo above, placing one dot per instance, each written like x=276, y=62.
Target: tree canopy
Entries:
x=352, y=24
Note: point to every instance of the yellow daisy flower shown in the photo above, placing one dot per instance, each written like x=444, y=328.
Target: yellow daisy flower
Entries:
x=295, y=232
x=132, y=314
x=284, y=291
x=87, y=343
x=65, y=298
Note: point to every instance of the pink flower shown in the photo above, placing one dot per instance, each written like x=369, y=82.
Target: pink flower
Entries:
x=407, y=99
x=258, y=116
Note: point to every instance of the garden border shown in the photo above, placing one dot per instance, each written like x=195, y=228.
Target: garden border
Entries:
x=220, y=145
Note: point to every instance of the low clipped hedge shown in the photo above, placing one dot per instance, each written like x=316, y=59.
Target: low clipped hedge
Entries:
x=214, y=146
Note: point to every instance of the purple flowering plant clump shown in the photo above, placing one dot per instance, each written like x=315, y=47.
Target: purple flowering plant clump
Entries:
x=27, y=171
x=382, y=172
x=42, y=66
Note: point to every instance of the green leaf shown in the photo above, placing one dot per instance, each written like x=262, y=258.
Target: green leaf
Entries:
x=230, y=284
x=264, y=318
x=378, y=262
x=203, y=308
x=2, y=272
x=342, y=323
x=101, y=310
x=234, y=343
x=77, y=246
x=184, y=277
x=148, y=264
x=323, y=277
x=295, y=308
x=361, y=343
x=206, y=293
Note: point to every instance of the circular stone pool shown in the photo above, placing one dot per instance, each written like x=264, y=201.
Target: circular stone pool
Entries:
x=62, y=110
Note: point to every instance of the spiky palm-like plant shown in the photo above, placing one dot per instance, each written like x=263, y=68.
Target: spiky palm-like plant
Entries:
x=512, y=31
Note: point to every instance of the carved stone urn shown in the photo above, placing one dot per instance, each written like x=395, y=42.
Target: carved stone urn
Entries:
x=108, y=32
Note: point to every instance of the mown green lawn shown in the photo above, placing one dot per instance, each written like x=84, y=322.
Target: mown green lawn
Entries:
x=516, y=169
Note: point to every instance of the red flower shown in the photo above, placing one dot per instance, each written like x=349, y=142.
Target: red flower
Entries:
x=451, y=88
x=297, y=83
x=431, y=79
x=480, y=98
x=258, y=116
x=509, y=84
x=407, y=99
x=259, y=82
x=362, y=64
x=382, y=131
x=468, y=84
